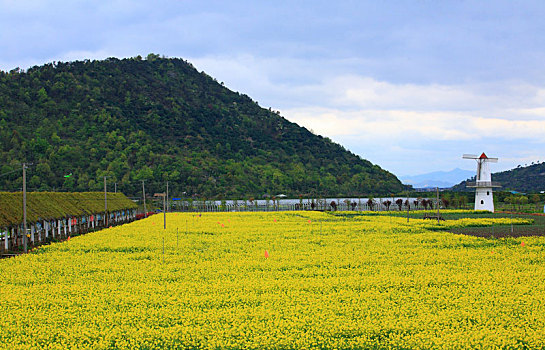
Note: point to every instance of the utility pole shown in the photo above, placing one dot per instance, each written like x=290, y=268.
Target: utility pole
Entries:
x=25, y=238
x=144, y=196
x=437, y=190
x=164, y=195
x=408, y=206
x=168, y=203
x=115, y=187
x=105, y=203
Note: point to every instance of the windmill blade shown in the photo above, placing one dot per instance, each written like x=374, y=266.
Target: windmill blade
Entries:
x=470, y=156
x=492, y=160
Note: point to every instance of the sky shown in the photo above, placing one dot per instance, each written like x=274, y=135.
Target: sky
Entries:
x=408, y=85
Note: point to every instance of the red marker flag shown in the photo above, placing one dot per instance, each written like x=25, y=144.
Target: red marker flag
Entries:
x=266, y=254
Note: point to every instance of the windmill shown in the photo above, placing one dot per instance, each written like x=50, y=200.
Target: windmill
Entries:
x=483, y=184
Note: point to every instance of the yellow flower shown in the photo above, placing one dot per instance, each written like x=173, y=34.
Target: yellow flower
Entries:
x=344, y=280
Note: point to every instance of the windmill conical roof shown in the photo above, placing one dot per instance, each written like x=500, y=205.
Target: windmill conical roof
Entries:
x=483, y=156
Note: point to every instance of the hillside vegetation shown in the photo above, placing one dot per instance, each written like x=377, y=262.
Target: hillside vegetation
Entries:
x=159, y=119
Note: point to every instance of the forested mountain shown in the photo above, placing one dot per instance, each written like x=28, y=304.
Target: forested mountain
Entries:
x=159, y=119
x=523, y=179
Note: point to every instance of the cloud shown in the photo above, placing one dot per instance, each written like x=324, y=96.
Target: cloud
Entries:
x=389, y=122
x=407, y=125
x=380, y=79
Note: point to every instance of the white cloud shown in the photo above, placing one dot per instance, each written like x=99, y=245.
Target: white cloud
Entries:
x=365, y=92
x=389, y=123
x=406, y=125
x=370, y=125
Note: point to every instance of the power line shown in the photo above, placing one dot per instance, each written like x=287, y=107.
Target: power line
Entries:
x=10, y=172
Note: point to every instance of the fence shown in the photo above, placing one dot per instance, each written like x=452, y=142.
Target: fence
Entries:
x=43, y=231
x=355, y=204
x=52, y=216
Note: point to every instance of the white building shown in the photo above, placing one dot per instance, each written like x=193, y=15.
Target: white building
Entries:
x=484, y=198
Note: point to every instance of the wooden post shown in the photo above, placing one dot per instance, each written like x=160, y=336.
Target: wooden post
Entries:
x=24, y=209
x=105, y=204
x=408, y=206
x=437, y=190
x=144, y=195
x=6, y=239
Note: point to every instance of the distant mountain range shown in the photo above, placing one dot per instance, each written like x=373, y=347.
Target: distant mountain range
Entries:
x=523, y=179
x=441, y=179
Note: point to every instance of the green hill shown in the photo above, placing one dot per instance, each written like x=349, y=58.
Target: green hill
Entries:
x=159, y=119
x=522, y=179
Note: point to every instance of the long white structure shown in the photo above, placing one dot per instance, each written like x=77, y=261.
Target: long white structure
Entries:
x=484, y=198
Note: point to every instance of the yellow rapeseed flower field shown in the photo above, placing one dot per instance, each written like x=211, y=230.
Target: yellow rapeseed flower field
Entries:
x=298, y=280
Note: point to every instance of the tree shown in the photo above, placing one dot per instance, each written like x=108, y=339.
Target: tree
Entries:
x=399, y=203
x=333, y=205
x=511, y=200
x=522, y=200
x=535, y=199
x=426, y=203
x=463, y=201
x=387, y=204
x=446, y=199
x=371, y=203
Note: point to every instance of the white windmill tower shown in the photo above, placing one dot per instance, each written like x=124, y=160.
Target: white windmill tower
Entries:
x=483, y=184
